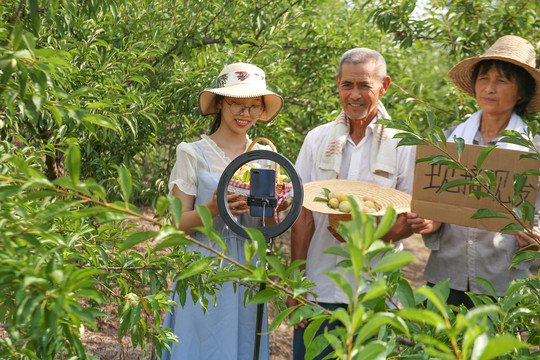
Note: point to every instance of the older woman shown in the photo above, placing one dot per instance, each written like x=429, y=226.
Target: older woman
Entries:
x=506, y=85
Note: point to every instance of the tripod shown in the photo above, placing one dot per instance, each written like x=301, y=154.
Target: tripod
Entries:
x=271, y=231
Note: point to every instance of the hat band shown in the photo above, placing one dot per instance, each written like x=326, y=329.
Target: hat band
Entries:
x=241, y=77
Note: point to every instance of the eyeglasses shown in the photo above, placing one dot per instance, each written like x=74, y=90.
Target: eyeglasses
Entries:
x=254, y=110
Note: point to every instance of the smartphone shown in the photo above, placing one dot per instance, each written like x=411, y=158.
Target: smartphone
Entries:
x=262, y=185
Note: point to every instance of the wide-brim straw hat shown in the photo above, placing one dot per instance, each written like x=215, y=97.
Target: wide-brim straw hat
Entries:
x=510, y=48
x=382, y=196
x=241, y=80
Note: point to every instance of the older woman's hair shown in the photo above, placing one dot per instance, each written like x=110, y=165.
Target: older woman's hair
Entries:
x=524, y=80
x=362, y=56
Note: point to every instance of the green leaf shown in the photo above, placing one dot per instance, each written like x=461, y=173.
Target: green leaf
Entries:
x=519, y=182
x=385, y=223
x=196, y=268
x=528, y=212
x=162, y=204
x=523, y=256
x=9, y=190
x=460, y=145
x=512, y=227
x=342, y=282
x=259, y=241
x=135, y=239
x=423, y=317
x=392, y=261
x=376, y=290
x=411, y=141
x=428, y=158
x=264, y=296
x=57, y=209
x=405, y=294
x=483, y=155
x=372, y=351
x=124, y=180
x=441, y=159
x=501, y=345
x=478, y=193
x=514, y=140
x=532, y=156
x=531, y=172
x=433, y=295
x=100, y=120
x=479, y=312
x=487, y=213
x=98, y=105
x=337, y=250
x=280, y=318
x=258, y=275
x=373, y=325
x=82, y=91
x=455, y=183
x=249, y=252
x=306, y=312
x=492, y=178
x=73, y=163
x=174, y=240
x=176, y=209
x=277, y=265
x=206, y=218
x=398, y=125
x=486, y=285
x=87, y=211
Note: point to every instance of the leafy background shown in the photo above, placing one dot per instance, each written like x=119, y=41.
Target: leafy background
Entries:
x=97, y=94
x=121, y=78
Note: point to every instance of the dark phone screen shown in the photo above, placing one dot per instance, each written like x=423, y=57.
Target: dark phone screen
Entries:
x=262, y=183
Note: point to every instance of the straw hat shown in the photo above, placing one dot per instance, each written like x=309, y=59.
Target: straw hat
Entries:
x=510, y=48
x=241, y=80
x=382, y=196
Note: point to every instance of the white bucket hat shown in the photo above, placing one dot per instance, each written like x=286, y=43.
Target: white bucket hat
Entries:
x=241, y=80
x=509, y=48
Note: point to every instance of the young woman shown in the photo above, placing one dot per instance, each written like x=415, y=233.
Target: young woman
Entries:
x=506, y=85
x=240, y=99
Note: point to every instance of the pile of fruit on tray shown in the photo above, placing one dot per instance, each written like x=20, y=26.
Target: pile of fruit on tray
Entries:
x=339, y=201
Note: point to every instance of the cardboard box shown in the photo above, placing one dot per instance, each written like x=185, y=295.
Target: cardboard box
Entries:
x=455, y=205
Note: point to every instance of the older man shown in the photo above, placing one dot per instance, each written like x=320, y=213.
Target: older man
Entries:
x=350, y=147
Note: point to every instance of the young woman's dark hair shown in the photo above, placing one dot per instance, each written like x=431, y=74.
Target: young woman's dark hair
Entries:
x=525, y=81
x=217, y=117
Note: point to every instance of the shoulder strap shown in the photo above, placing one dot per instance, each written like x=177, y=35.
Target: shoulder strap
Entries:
x=204, y=155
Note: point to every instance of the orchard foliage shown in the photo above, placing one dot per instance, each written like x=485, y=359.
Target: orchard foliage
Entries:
x=97, y=94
